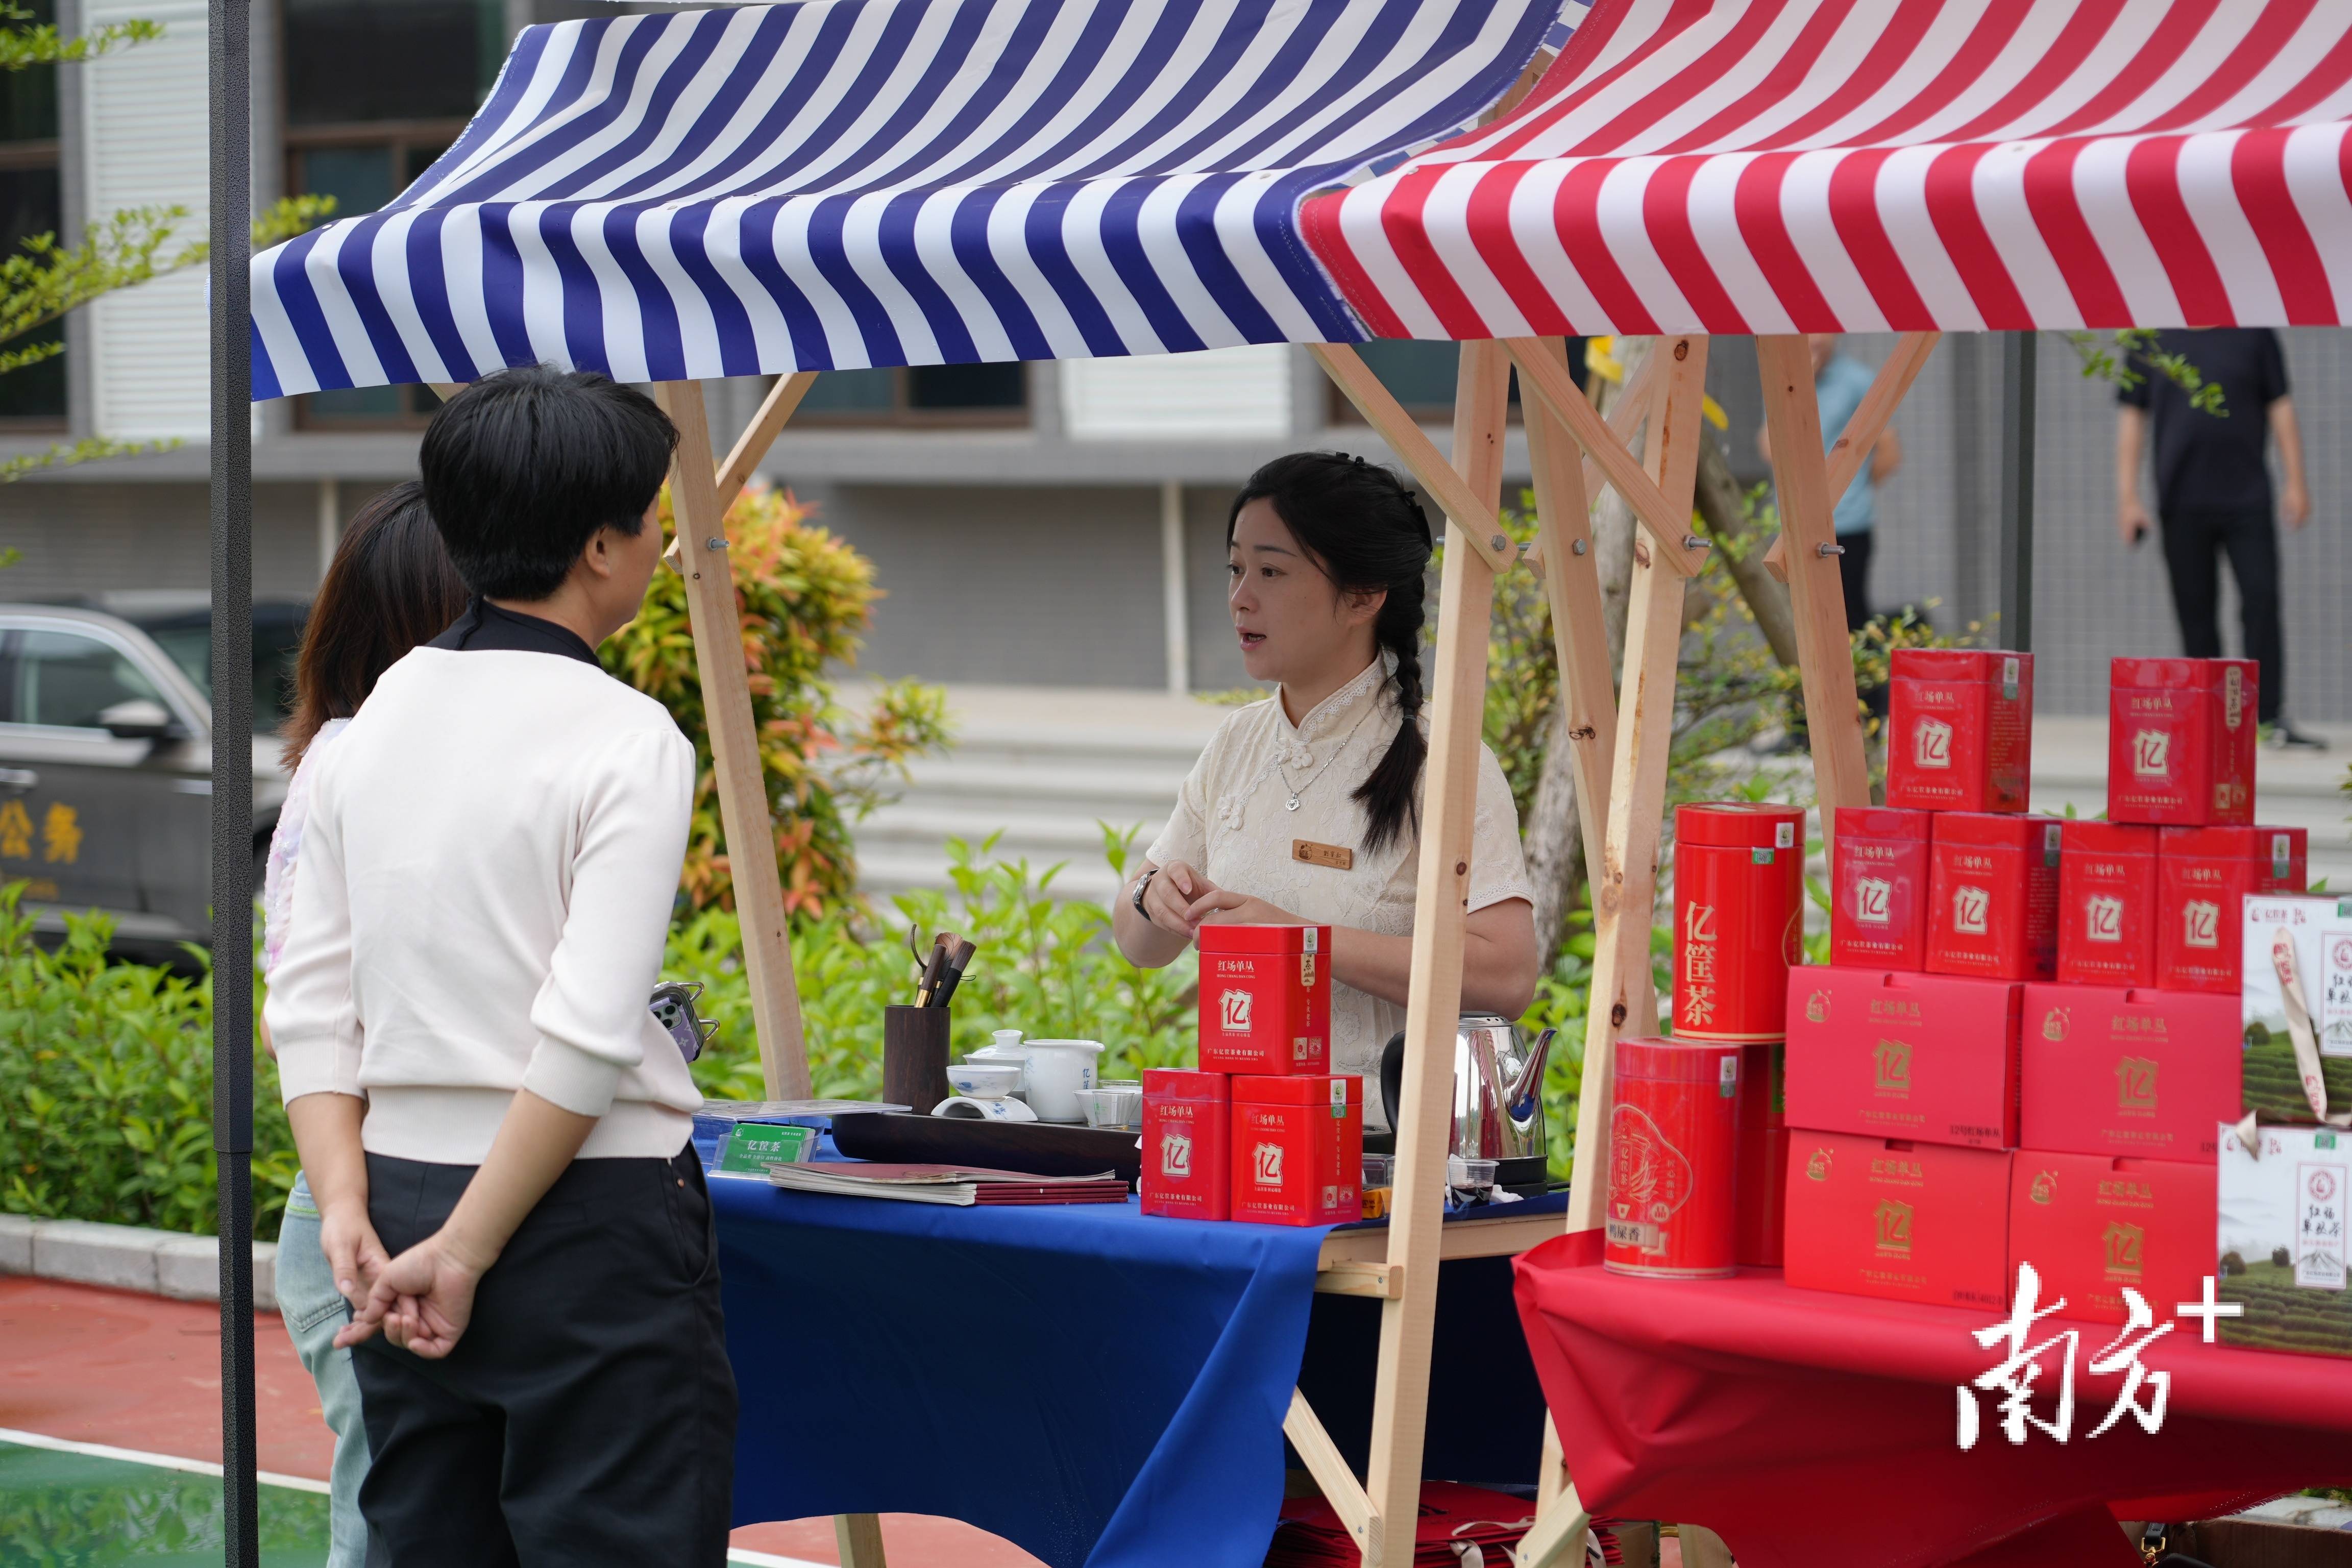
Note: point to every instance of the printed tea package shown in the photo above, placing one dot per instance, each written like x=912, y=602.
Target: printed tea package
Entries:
x=2092, y=1225
x=1297, y=1149
x=1188, y=1123
x=1673, y=1136
x=1266, y=998
x=2113, y=1071
x=1739, y=911
x=2281, y=1240
x=1878, y=907
x=1897, y=1055
x=2295, y=1008
x=1959, y=729
x=2181, y=740
x=1992, y=896
x=2202, y=877
x=1910, y=1222
x=2106, y=903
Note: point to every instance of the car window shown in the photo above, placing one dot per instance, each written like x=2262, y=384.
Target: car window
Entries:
x=187, y=641
x=66, y=678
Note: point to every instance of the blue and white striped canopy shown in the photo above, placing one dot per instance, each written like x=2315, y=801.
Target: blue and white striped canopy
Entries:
x=843, y=183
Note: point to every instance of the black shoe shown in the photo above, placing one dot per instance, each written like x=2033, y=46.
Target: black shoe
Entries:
x=2280, y=736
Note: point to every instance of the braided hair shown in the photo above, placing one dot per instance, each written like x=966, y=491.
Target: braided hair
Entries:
x=1365, y=531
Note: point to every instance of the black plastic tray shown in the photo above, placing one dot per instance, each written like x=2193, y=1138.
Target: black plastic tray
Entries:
x=1035, y=1148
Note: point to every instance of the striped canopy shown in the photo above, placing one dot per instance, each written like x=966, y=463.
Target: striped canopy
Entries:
x=854, y=183
x=1779, y=166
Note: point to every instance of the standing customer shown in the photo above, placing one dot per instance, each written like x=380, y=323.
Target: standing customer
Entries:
x=1839, y=384
x=2213, y=495
x=468, y=1063
x=389, y=587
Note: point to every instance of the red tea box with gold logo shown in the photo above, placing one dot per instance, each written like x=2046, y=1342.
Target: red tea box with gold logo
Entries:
x=1992, y=896
x=2094, y=1225
x=1878, y=915
x=1926, y=1057
x=1299, y=1148
x=2181, y=740
x=2202, y=877
x=1740, y=912
x=1910, y=1222
x=1959, y=729
x=2106, y=903
x=1266, y=998
x=1188, y=1123
x=2138, y=1072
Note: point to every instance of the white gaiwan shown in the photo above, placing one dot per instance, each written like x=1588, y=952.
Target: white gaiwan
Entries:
x=1059, y=1069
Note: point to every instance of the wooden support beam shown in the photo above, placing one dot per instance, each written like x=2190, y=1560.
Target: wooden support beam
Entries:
x=1624, y=1000
x=1330, y=1468
x=1572, y=584
x=760, y=434
x=1383, y=1280
x=1463, y=506
x=1626, y=416
x=1867, y=424
x=1557, y=1538
x=1816, y=591
x=857, y=1540
x=1449, y=805
x=744, y=809
x=1679, y=550
x=1505, y=1236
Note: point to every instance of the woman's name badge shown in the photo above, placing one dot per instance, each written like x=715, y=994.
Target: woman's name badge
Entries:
x=1338, y=857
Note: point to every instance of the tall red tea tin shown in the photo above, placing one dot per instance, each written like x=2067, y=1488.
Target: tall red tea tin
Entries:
x=1878, y=916
x=1673, y=1126
x=1299, y=1148
x=1739, y=894
x=2181, y=741
x=1188, y=1125
x=1266, y=998
x=1959, y=729
x=1760, y=1150
x=1992, y=896
x=2202, y=877
x=2106, y=903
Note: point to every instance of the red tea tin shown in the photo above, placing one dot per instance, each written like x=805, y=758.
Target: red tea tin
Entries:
x=1959, y=729
x=1909, y=1222
x=2094, y=1225
x=1932, y=1057
x=1739, y=892
x=2181, y=740
x=2137, y=1072
x=1266, y=998
x=1878, y=918
x=1992, y=896
x=1188, y=1123
x=1673, y=1124
x=2106, y=903
x=1760, y=1231
x=2202, y=877
x=1299, y=1148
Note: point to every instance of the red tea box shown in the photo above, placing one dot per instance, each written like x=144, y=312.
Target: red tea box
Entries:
x=2142, y=1073
x=1878, y=918
x=1759, y=1227
x=2094, y=1225
x=1910, y=1222
x=2106, y=903
x=1929, y=1058
x=1674, y=1137
x=2202, y=877
x=2181, y=740
x=1992, y=896
x=1266, y=998
x=1959, y=729
x=1299, y=1148
x=1739, y=914
x=1188, y=1124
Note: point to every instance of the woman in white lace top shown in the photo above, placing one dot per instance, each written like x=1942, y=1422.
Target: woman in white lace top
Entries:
x=1327, y=557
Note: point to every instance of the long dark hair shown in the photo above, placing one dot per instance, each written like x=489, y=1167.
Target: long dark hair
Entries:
x=390, y=587
x=1365, y=531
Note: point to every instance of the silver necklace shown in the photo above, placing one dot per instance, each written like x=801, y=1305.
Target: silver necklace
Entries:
x=1294, y=791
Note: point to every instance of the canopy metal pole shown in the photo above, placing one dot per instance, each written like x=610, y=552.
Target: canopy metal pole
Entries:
x=230, y=43
x=2018, y=357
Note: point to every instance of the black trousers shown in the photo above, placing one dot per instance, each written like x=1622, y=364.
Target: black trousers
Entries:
x=2194, y=543
x=1854, y=577
x=587, y=1416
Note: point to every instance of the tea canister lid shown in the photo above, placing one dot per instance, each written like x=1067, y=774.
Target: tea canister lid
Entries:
x=1740, y=825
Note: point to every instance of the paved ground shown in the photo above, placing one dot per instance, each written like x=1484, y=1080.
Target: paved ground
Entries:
x=142, y=1373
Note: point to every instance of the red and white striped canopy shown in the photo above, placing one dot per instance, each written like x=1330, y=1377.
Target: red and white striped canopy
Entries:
x=1820, y=165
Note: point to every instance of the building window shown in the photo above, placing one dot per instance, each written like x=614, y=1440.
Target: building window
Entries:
x=934, y=394
x=32, y=202
x=1420, y=376
x=375, y=90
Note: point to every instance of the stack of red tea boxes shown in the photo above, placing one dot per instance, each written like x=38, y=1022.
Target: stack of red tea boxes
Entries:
x=1262, y=1131
x=2028, y=1030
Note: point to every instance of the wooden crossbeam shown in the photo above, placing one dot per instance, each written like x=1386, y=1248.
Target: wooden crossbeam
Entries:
x=1626, y=416
x=1557, y=1537
x=760, y=434
x=1868, y=423
x=1679, y=550
x=1330, y=1468
x=1438, y=480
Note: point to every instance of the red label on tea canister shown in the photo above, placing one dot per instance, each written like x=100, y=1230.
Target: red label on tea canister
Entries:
x=1959, y=729
x=1878, y=912
x=2202, y=877
x=2181, y=740
x=1739, y=890
x=1187, y=1127
x=1992, y=896
x=1673, y=1124
x=1266, y=998
x=2107, y=904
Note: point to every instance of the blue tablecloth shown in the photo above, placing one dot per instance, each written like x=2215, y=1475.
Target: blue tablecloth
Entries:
x=1104, y=1389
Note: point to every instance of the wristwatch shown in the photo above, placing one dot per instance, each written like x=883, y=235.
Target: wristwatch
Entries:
x=1140, y=883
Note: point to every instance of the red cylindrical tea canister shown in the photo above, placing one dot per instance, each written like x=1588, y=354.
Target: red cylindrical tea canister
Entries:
x=1761, y=1230
x=1674, y=1135
x=1739, y=906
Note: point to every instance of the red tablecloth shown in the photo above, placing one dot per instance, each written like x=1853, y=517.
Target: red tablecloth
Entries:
x=1820, y=1430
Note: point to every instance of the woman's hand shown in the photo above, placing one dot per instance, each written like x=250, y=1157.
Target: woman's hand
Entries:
x=422, y=1300
x=1172, y=892
x=355, y=1254
x=1221, y=906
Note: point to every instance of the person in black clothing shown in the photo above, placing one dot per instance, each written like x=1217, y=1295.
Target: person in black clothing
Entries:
x=2213, y=495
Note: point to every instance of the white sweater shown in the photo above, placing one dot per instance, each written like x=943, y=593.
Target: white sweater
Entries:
x=487, y=876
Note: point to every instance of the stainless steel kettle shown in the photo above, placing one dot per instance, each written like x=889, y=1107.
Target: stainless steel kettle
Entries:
x=1497, y=1111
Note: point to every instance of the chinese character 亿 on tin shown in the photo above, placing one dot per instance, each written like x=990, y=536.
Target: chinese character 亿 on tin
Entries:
x=2012, y=1377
